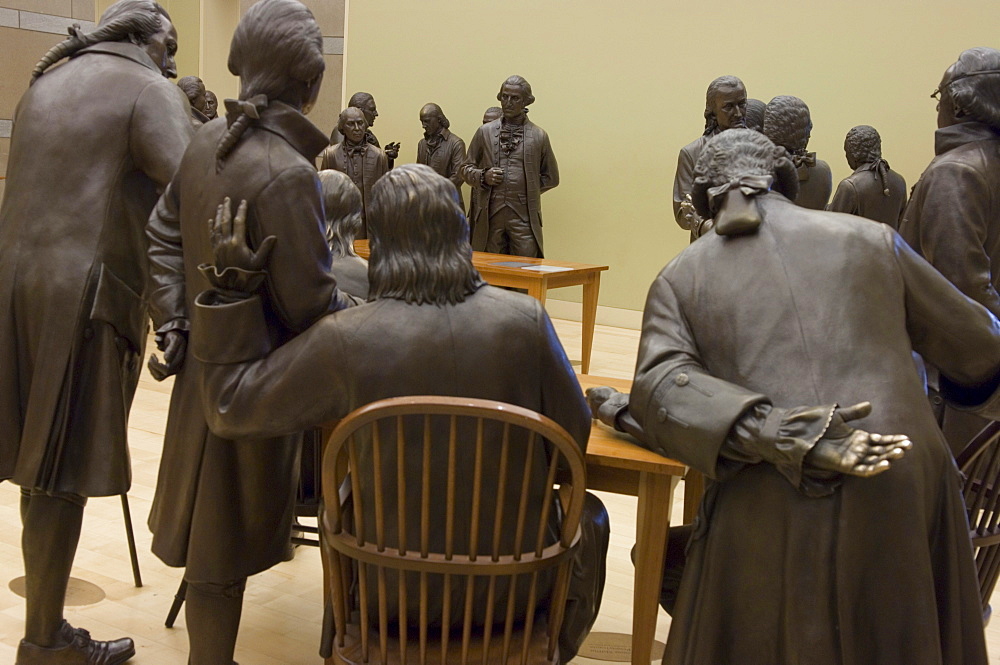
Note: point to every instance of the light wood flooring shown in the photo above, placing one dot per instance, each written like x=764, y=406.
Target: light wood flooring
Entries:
x=282, y=610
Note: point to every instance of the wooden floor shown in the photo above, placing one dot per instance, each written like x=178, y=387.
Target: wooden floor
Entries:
x=282, y=611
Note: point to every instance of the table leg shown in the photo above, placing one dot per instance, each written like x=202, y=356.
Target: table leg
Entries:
x=656, y=493
x=590, y=292
x=694, y=488
x=536, y=289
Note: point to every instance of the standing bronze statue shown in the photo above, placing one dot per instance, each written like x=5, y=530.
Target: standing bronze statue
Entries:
x=511, y=162
x=194, y=89
x=725, y=108
x=874, y=190
x=223, y=508
x=211, y=105
x=440, y=149
x=342, y=205
x=423, y=289
x=815, y=542
x=72, y=278
x=953, y=218
x=491, y=114
x=360, y=159
x=365, y=102
x=788, y=124
x=754, y=116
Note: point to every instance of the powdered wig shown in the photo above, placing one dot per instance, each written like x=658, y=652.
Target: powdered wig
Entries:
x=974, y=85
x=277, y=45
x=342, y=207
x=714, y=88
x=126, y=20
x=755, y=114
x=787, y=123
x=419, y=237
x=436, y=110
x=520, y=82
x=735, y=153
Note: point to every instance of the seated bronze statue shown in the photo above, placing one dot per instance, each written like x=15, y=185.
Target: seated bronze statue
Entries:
x=816, y=541
x=431, y=327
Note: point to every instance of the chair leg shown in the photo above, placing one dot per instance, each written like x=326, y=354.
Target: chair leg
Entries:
x=175, y=608
x=136, y=577
x=326, y=635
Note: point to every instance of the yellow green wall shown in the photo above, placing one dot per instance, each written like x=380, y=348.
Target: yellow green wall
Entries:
x=620, y=88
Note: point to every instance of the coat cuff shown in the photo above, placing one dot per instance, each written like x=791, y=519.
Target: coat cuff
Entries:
x=229, y=332
x=982, y=400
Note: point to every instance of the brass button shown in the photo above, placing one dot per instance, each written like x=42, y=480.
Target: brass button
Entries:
x=682, y=379
x=661, y=414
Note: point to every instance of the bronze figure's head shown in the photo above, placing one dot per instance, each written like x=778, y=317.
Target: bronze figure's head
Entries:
x=787, y=123
x=970, y=89
x=863, y=145
x=725, y=104
x=194, y=88
x=492, y=113
x=433, y=120
x=352, y=124
x=419, y=238
x=342, y=207
x=142, y=22
x=514, y=96
x=211, y=105
x=365, y=102
x=754, y=116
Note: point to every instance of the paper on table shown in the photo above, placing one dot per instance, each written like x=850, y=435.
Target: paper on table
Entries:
x=546, y=268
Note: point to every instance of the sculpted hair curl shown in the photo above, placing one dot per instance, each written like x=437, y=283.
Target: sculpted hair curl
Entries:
x=126, y=20
x=419, y=237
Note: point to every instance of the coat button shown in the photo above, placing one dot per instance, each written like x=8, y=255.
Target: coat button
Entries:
x=88, y=332
x=682, y=379
x=661, y=414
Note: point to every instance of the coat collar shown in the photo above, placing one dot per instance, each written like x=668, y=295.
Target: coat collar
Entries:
x=954, y=136
x=126, y=50
x=281, y=119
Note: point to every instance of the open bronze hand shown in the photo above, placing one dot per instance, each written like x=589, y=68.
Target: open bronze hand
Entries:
x=228, y=235
x=855, y=452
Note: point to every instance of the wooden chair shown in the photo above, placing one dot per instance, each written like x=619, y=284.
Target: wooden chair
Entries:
x=390, y=445
x=980, y=462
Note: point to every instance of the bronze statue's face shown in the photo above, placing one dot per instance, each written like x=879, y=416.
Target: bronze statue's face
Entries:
x=201, y=101
x=211, y=104
x=512, y=100
x=731, y=107
x=430, y=121
x=354, y=125
x=162, y=47
x=490, y=116
x=945, y=106
x=368, y=108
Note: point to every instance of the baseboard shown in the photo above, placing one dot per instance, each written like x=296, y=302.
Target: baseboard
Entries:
x=606, y=316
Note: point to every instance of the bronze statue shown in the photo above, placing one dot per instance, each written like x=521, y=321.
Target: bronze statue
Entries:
x=342, y=205
x=365, y=102
x=754, y=115
x=874, y=190
x=440, y=149
x=211, y=105
x=787, y=124
x=511, y=162
x=423, y=289
x=72, y=278
x=725, y=108
x=362, y=160
x=223, y=508
x=794, y=558
x=194, y=89
x=953, y=219
x=491, y=114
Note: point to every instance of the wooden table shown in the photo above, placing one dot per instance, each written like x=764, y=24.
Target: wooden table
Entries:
x=616, y=464
x=537, y=282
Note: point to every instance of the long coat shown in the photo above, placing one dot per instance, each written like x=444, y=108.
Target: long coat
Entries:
x=388, y=348
x=223, y=508
x=684, y=178
x=541, y=173
x=374, y=165
x=881, y=569
x=94, y=140
x=862, y=194
x=447, y=159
